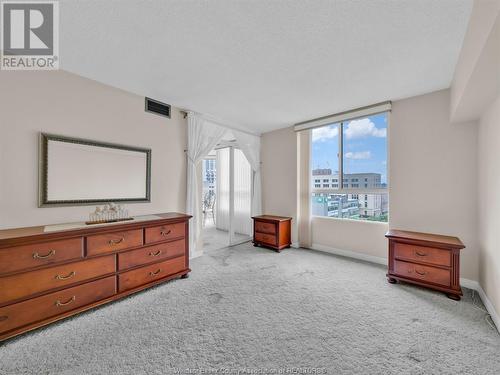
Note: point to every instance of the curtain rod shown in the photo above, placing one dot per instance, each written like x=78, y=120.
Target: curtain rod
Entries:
x=346, y=115
x=184, y=113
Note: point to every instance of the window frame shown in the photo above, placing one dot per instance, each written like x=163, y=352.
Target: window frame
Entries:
x=341, y=179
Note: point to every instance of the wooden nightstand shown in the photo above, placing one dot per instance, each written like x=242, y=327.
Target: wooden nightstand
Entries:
x=272, y=231
x=428, y=260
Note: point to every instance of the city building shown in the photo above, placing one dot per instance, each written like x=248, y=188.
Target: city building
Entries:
x=209, y=177
x=325, y=201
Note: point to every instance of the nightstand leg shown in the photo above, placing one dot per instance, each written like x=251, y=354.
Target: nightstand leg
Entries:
x=390, y=280
x=454, y=297
x=185, y=276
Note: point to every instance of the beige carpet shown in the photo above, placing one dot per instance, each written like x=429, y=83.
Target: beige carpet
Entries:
x=251, y=309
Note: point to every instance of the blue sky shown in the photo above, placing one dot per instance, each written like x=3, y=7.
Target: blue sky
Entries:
x=365, y=146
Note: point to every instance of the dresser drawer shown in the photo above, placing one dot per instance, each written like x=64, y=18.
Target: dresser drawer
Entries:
x=266, y=238
x=29, y=256
x=36, y=309
x=263, y=227
x=165, y=232
x=110, y=242
x=424, y=254
x=29, y=283
x=425, y=273
x=151, y=254
x=144, y=275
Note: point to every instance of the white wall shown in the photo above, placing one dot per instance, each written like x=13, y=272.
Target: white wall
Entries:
x=432, y=188
x=363, y=237
x=63, y=103
x=489, y=202
x=473, y=88
x=432, y=179
x=476, y=96
x=279, y=175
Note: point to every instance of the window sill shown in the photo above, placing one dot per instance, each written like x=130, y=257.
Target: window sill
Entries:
x=369, y=222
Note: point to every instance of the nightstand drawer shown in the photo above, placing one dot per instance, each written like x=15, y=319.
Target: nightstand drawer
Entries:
x=266, y=238
x=425, y=273
x=422, y=254
x=264, y=227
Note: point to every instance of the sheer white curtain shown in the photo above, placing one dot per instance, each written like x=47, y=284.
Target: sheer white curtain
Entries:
x=242, y=222
x=250, y=145
x=242, y=172
x=222, y=191
x=202, y=138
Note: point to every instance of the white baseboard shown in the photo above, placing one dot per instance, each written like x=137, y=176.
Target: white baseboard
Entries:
x=349, y=254
x=196, y=255
x=470, y=284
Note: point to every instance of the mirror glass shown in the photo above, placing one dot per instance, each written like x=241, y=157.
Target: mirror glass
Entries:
x=76, y=171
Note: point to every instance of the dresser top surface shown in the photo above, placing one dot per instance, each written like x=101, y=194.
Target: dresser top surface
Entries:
x=272, y=218
x=425, y=237
x=8, y=235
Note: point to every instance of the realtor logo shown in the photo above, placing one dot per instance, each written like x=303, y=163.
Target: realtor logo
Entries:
x=30, y=35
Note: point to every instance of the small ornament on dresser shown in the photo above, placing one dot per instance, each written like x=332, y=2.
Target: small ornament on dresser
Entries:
x=110, y=213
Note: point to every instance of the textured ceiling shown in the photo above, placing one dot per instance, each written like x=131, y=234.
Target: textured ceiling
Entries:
x=263, y=65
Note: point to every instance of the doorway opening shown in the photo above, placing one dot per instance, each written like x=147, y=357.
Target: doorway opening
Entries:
x=227, y=181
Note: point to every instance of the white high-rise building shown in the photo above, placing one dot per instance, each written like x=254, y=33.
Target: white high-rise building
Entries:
x=326, y=201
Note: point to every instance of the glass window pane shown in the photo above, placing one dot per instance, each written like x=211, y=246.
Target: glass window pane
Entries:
x=365, y=152
x=370, y=207
x=325, y=158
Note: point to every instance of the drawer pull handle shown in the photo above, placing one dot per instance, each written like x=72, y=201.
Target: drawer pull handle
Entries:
x=151, y=254
x=116, y=242
x=71, y=300
x=420, y=254
x=155, y=273
x=421, y=273
x=48, y=255
x=70, y=275
x=163, y=233
x=4, y=317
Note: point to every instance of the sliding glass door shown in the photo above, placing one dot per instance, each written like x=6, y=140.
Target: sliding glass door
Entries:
x=234, y=194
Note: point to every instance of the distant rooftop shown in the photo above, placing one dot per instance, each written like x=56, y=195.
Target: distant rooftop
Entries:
x=328, y=172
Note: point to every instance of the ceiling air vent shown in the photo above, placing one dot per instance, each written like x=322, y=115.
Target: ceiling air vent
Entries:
x=154, y=106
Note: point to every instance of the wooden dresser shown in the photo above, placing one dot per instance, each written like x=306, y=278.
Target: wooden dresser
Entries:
x=46, y=276
x=272, y=231
x=428, y=260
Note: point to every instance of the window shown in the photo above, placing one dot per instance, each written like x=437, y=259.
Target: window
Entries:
x=348, y=153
